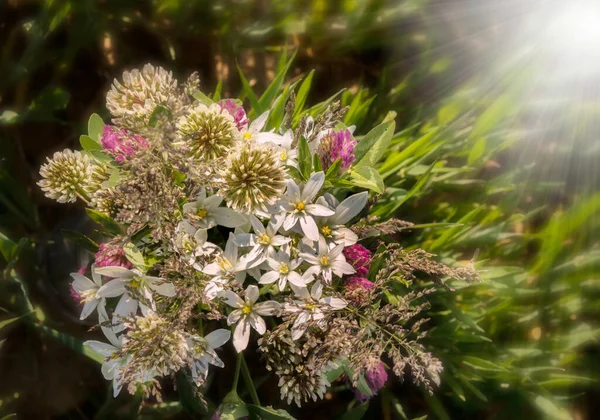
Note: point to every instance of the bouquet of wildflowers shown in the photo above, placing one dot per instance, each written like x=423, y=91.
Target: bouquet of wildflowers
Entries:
x=224, y=228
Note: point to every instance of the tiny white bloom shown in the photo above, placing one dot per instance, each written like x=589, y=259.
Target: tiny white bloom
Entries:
x=327, y=261
x=205, y=212
x=263, y=240
x=192, y=243
x=298, y=206
x=203, y=353
x=332, y=227
x=247, y=314
x=253, y=132
x=312, y=307
x=87, y=290
x=283, y=269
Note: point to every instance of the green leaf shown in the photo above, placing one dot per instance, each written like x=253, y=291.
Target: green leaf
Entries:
x=268, y=413
x=317, y=167
x=549, y=408
x=477, y=151
x=202, y=98
x=493, y=115
x=233, y=407
x=80, y=239
x=217, y=95
x=89, y=143
x=367, y=177
x=267, y=97
x=334, y=170
x=304, y=158
x=256, y=108
x=374, y=144
x=134, y=256
x=188, y=396
x=295, y=173
x=8, y=248
x=5, y=322
x=105, y=221
x=95, y=127
x=71, y=342
x=303, y=94
x=100, y=156
x=356, y=413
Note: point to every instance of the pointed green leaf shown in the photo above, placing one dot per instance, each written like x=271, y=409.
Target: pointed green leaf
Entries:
x=367, y=177
x=202, y=98
x=304, y=158
x=256, y=108
x=303, y=94
x=372, y=146
x=89, y=143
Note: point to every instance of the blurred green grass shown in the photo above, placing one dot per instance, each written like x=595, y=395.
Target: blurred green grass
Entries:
x=463, y=165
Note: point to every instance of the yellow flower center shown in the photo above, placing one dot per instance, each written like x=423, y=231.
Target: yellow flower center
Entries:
x=247, y=135
x=201, y=213
x=300, y=206
x=324, y=260
x=326, y=231
x=283, y=156
x=284, y=268
x=224, y=264
x=247, y=309
x=310, y=306
x=88, y=295
x=264, y=239
x=135, y=282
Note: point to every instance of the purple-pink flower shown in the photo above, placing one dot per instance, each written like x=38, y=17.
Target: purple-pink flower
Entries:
x=236, y=111
x=376, y=378
x=336, y=145
x=359, y=257
x=121, y=143
x=112, y=255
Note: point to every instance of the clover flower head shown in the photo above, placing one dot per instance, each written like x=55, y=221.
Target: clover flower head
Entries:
x=111, y=255
x=337, y=145
x=121, y=143
x=253, y=178
x=65, y=176
x=376, y=377
x=236, y=111
x=359, y=257
x=210, y=132
x=134, y=100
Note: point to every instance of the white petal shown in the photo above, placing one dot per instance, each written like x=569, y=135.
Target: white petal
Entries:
x=257, y=323
x=245, y=239
x=296, y=279
x=212, y=202
x=231, y=299
x=228, y=217
x=234, y=317
x=113, y=288
x=350, y=207
x=312, y=271
x=313, y=185
x=231, y=249
x=268, y=308
x=309, y=258
x=163, y=289
x=81, y=283
x=335, y=303
x=252, y=293
x=241, y=335
x=279, y=240
x=342, y=267
x=95, y=276
x=269, y=277
x=290, y=221
x=318, y=210
x=127, y=306
x=316, y=290
x=346, y=236
x=117, y=272
x=293, y=192
x=88, y=308
x=256, y=224
x=218, y=337
x=309, y=227
x=259, y=123
x=336, y=252
x=101, y=348
x=212, y=269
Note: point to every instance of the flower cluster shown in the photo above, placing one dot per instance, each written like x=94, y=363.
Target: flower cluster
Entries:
x=227, y=228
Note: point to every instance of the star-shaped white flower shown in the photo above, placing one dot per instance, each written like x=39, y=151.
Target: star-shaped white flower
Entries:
x=205, y=212
x=254, y=131
x=263, y=240
x=283, y=269
x=332, y=227
x=87, y=289
x=203, y=353
x=312, y=307
x=247, y=314
x=192, y=243
x=297, y=203
x=327, y=261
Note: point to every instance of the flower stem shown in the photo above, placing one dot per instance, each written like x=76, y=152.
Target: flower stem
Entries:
x=236, y=377
x=249, y=382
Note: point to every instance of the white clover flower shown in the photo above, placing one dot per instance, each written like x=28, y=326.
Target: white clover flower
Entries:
x=226, y=267
x=205, y=212
x=86, y=289
x=312, y=307
x=192, y=243
x=332, y=227
x=283, y=269
x=202, y=353
x=134, y=101
x=247, y=314
x=327, y=261
x=210, y=132
x=66, y=176
x=263, y=240
x=123, y=279
x=298, y=207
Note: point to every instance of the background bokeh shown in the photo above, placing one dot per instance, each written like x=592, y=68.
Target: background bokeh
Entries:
x=495, y=159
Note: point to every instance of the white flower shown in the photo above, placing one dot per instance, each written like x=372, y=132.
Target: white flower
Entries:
x=203, y=353
x=253, y=132
x=286, y=154
x=327, y=261
x=66, y=175
x=227, y=266
x=86, y=289
x=297, y=204
x=332, y=227
x=111, y=368
x=132, y=279
x=263, y=240
x=205, y=212
x=283, y=270
x=247, y=314
x=312, y=307
x=192, y=243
